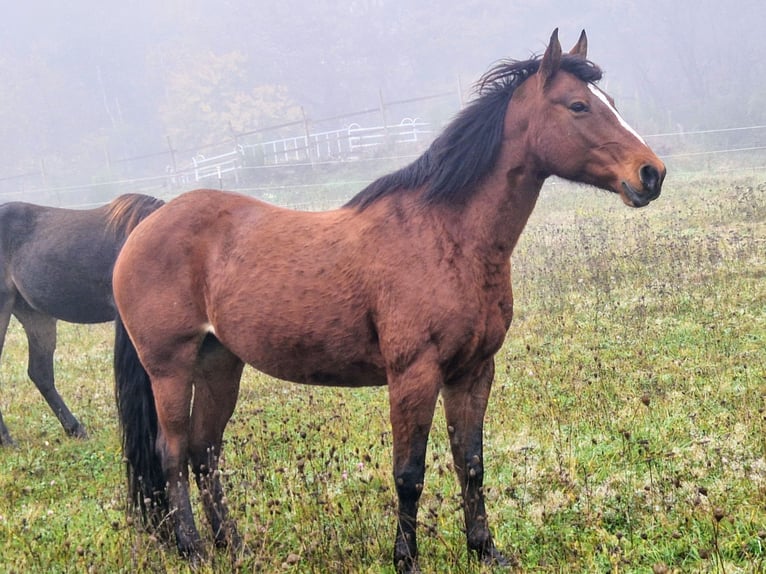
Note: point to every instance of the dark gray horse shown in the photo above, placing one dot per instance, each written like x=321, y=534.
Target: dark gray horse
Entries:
x=57, y=264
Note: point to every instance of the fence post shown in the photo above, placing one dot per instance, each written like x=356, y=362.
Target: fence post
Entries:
x=307, y=133
x=172, y=153
x=460, y=97
x=235, y=140
x=383, y=115
x=43, y=172
x=173, y=168
x=108, y=158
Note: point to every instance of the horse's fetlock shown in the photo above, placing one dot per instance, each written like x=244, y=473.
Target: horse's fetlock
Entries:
x=480, y=541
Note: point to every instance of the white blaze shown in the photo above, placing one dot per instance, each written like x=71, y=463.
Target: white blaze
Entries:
x=601, y=96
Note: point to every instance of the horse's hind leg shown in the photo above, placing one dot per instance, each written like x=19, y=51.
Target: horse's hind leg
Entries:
x=41, y=335
x=216, y=387
x=465, y=402
x=172, y=397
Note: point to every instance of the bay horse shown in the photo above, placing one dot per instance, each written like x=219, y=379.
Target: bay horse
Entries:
x=407, y=285
x=57, y=264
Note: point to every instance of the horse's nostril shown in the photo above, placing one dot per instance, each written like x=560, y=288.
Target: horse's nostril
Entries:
x=650, y=177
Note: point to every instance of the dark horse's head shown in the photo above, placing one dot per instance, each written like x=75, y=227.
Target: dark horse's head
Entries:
x=574, y=130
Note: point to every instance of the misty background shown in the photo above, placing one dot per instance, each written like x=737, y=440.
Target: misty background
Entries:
x=100, y=98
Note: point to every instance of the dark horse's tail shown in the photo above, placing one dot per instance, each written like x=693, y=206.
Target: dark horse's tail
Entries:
x=138, y=420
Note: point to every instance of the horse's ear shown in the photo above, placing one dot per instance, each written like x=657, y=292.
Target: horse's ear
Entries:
x=581, y=48
x=551, y=59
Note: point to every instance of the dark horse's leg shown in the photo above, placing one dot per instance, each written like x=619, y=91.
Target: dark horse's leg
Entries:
x=41, y=335
x=6, y=304
x=465, y=402
x=5, y=436
x=216, y=387
x=412, y=397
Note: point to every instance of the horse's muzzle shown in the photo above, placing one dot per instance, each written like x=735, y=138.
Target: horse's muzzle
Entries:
x=651, y=182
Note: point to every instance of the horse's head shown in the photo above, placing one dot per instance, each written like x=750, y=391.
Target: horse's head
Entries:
x=575, y=132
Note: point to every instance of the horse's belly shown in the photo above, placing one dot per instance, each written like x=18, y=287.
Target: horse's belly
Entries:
x=354, y=375
x=296, y=366
x=83, y=305
x=311, y=353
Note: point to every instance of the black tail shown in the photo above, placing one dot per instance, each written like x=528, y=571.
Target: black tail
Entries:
x=138, y=420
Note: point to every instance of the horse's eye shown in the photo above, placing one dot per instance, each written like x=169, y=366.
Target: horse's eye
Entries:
x=578, y=107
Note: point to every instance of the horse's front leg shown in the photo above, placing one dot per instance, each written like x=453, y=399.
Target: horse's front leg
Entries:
x=465, y=402
x=412, y=397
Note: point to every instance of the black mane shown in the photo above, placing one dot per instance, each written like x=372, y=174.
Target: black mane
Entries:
x=466, y=151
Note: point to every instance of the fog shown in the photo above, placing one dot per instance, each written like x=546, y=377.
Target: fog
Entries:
x=89, y=84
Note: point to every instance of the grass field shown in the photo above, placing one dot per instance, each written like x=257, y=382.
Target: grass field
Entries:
x=626, y=432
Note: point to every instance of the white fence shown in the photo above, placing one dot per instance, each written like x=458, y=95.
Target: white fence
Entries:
x=377, y=149
x=346, y=144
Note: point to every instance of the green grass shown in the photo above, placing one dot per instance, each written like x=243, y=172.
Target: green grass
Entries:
x=626, y=431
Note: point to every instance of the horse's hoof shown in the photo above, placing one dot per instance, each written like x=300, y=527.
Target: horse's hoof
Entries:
x=194, y=552
x=407, y=566
x=197, y=559
x=228, y=537
x=496, y=559
x=240, y=552
x=78, y=432
x=7, y=441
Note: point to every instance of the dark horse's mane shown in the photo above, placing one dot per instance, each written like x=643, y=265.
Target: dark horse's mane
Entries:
x=127, y=211
x=467, y=149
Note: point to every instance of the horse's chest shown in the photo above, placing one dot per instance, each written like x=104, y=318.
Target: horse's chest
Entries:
x=472, y=332
x=486, y=336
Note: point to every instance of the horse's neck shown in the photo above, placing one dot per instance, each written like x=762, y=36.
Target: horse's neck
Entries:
x=499, y=211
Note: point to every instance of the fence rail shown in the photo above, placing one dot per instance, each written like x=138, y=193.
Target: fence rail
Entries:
x=346, y=144
x=265, y=166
